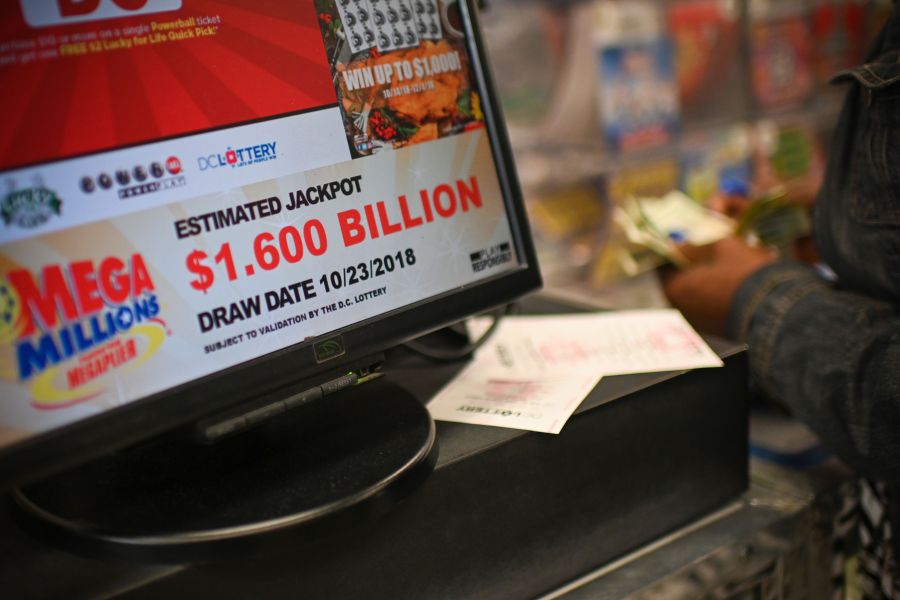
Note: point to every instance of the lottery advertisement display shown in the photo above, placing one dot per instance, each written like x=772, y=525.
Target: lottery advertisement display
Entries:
x=137, y=258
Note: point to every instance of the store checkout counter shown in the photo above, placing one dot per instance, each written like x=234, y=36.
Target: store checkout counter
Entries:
x=646, y=481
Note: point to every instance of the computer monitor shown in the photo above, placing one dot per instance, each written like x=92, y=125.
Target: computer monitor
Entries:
x=207, y=202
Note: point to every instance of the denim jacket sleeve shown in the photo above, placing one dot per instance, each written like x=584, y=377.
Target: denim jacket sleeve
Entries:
x=831, y=356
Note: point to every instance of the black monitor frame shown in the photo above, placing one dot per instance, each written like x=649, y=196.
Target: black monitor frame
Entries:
x=56, y=450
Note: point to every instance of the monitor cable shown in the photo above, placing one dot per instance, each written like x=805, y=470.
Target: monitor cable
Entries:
x=435, y=354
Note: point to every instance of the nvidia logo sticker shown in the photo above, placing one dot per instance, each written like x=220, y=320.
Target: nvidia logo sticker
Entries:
x=329, y=349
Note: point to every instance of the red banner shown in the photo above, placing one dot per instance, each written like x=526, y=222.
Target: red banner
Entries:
x=80, y=77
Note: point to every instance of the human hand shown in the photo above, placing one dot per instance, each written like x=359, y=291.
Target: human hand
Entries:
x=703, y=292
x=730, y=205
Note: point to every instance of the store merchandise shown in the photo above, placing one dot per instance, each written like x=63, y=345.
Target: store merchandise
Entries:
x=638, y=88
x=523, y=57
x=781, y=55
x=714, y=158
x=838, y=28
x=643, y=178
x=708, y=64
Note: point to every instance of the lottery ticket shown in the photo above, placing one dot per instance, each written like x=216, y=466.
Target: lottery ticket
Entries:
x=356, y=16
x=394, y=24
x=428, y=19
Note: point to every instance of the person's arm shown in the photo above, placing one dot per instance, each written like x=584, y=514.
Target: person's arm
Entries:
x=832, y=357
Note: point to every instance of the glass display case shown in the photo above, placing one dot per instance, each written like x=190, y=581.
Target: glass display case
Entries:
x=610, y=101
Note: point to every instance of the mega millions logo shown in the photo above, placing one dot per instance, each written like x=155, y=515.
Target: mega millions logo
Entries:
x=74, y=328
x=9, y=313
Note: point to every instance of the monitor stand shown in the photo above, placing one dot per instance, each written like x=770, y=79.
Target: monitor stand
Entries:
x=332, y=464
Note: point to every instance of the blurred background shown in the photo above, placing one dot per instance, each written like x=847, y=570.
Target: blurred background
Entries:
x=614, y=104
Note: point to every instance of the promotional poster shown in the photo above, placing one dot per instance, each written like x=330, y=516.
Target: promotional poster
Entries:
x=401, y=71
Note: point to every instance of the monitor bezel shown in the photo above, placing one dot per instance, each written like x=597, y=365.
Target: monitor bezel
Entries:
x=61, y=448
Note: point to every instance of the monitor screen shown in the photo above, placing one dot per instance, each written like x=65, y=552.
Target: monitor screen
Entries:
x=197, y=193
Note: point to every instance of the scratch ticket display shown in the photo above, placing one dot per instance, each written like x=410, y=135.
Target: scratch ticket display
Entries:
x=356, y=16
x=428, y=19
x=394, y=25
x=401, y=88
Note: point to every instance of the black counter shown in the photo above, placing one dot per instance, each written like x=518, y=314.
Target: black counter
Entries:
x=504, y=514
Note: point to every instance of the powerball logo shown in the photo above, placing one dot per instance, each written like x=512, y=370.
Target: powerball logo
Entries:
x=71, y=329
x=44, y=13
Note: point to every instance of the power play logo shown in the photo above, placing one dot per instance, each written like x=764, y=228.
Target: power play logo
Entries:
x=73, y=327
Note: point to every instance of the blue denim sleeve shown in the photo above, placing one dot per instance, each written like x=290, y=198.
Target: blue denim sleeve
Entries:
x=831, y=356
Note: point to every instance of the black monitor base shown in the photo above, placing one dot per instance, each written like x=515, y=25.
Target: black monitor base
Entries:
x=324, y=466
